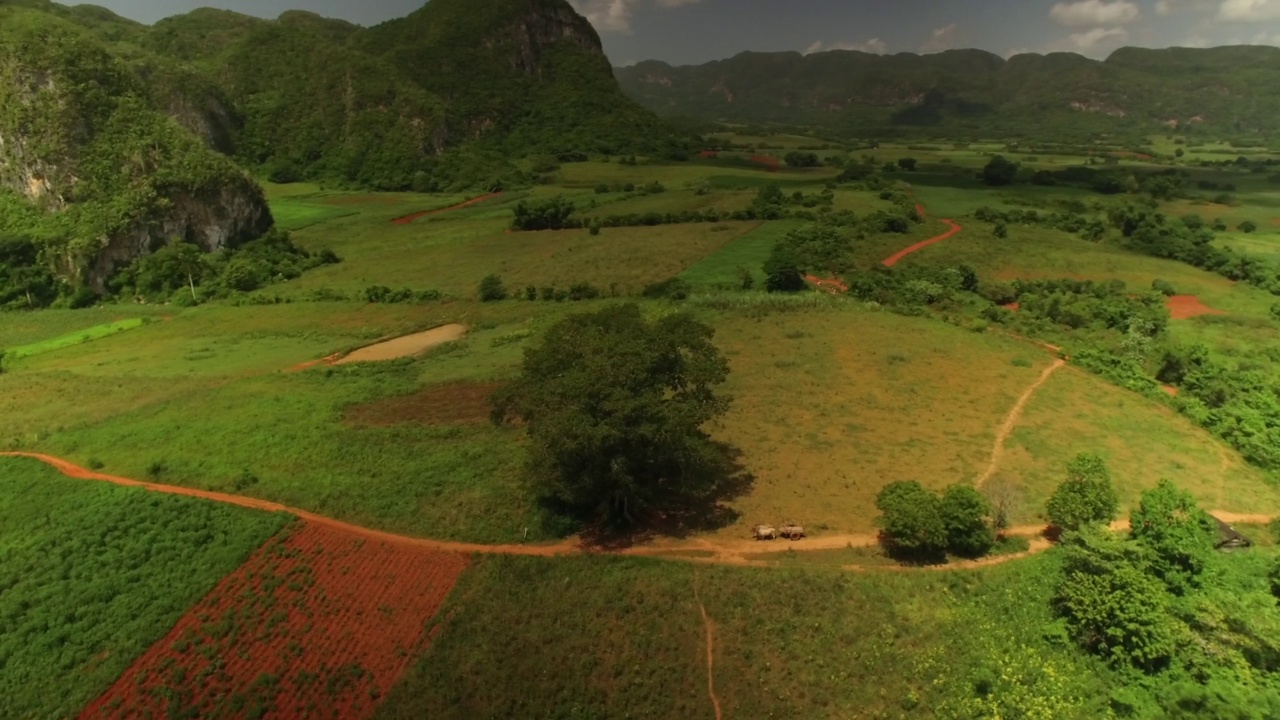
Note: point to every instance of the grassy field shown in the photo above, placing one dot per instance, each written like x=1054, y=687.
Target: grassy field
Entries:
x=605, y=637
x=93, y=574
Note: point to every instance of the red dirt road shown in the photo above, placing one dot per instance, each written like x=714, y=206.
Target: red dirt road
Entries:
x=955, y=228
x=316, y=625
x=410, y=218
x=768, y=161
x=731, y=552
x=830, y=285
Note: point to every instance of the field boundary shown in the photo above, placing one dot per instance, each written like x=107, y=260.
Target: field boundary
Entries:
x=406, y=219
x=711, y=653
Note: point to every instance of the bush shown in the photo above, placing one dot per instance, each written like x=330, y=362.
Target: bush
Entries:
x=553, y=214
x=1086, y=497
x=964, y=514
x=1164, y=287
x=782, y=270
x=1247, y=226
x=1275, y=312
x=1182, y=536
x=999, y=172
x=1112, y=607
x=673, y=289
x=912, y=520
x=492, y=289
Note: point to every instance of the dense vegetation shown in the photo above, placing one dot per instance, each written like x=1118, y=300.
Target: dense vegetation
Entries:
x=93, y=574
x=974, y=94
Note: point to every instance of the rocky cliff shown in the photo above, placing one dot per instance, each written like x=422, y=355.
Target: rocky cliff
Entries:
x=108, y=176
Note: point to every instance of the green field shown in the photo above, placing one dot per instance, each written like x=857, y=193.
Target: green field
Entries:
x=833, y=398
x=93, y=574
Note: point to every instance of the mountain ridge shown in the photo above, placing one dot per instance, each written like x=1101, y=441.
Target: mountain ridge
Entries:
x=1228, y=89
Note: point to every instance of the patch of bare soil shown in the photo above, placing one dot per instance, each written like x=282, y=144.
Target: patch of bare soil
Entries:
x=406, y=346
x=436, y=405
x=1184, y=307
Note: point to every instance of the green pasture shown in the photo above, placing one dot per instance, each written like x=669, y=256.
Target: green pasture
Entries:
x=613, y=637
x=93, y=574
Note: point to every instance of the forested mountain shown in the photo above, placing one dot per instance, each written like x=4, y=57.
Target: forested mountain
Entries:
x=1229, y=90
x=116, y=137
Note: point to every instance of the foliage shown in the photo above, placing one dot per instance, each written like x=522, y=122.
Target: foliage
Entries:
x=1180, y=534
x=1086, y=497
x=1000, y=171
x=782, y=270
x=492, y=289
x=798, y=159
x=94, y=574
x=1111, y=605
x=913, y=520
x=964, y=513
x=614, y=407
x=552, y=214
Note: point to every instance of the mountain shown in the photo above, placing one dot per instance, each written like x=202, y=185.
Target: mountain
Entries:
x=116, y=137
x=90, y=170
x=1229, y=90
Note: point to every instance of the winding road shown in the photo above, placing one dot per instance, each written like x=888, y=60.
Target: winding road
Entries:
x=405, y=220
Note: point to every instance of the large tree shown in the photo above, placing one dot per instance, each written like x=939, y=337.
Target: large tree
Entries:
x=964, y=513
x=1000, y=171
x=614, y=406
x=1168, y=521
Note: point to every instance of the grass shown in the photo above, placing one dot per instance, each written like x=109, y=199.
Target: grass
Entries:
x=63, y=341
x=612, y=637
x=747, y=252
x=93, y=574
x=831, y=406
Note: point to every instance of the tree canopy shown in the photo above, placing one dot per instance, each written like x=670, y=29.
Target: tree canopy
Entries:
x=614, y=405
x=1086, y=497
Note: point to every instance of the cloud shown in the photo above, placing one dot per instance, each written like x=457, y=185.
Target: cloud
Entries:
x=1017, y=51
x=943, y=38
x=1085, y=41
x=615, y=15
x=875, y=46
x=1164, y=7
x=1095, y=13
x=1249, y=10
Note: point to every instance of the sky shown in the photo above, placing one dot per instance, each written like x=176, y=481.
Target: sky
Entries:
x=696, y=31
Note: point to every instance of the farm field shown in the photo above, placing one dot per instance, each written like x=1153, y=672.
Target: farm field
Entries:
x=93, y=574
x=834, y=396
x=318, y=624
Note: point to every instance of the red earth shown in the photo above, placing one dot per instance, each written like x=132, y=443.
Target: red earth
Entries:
x=1169, y=390
x=1183, y=307
x=1014, y=306
x=921, y=212
x=955, y=228
x=707, y=154
x=830, y=285
x=770, y=162
x=318, y=624
x=410, y=218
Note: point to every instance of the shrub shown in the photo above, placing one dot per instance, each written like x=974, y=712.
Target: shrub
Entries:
x=1275, y=312
x=553, y=214
x=1164, y=287
x=999, y=172
x=1247, y=226
x=1086, y=497
x=492, y=289
x=673, y=289
x=964, y=514
x=912, y=520
x=1181, y=535
x=747, y=281
x=1112, y=607
x=782, y=270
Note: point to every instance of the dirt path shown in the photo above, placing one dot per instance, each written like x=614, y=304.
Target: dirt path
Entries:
x=410, y=218
x=955, y=228
x=1010, y=422
x=711, y=653
x=722, y=552
x=830, y=285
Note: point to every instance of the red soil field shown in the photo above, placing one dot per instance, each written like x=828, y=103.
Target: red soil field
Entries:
x=921, y=212
x=707, y=154
x=1183, y=307
x=318, y=624
x=410, y=218
x=770, y=162
x=955, y=228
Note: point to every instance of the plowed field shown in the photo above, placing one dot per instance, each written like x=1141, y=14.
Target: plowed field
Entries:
x=315, y=625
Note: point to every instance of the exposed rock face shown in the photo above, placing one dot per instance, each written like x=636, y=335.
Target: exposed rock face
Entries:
x=234, y=215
